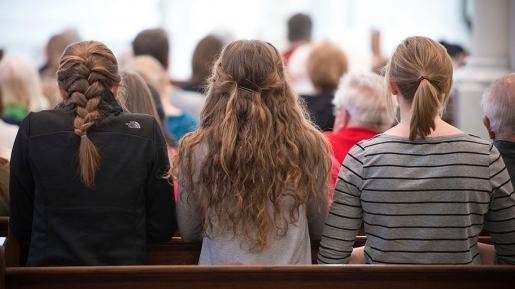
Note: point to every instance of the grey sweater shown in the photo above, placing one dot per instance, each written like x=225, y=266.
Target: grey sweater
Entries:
x=225, y=248
x=422, y=201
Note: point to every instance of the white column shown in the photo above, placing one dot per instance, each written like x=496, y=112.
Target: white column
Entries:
x=488, y=60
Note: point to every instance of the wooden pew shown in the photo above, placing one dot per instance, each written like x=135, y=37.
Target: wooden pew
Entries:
x=173, y=252
x=177, y=252
x=293, y=276
x=250, y=277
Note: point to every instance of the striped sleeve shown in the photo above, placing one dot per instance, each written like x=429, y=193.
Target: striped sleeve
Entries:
x=500, y=219
x=345, y=215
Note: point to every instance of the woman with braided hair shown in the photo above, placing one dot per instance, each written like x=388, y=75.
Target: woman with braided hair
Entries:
x=86, y=184
x=423, y=189
x=253, y=179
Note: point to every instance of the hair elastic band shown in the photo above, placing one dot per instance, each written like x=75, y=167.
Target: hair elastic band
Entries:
x=423, y=77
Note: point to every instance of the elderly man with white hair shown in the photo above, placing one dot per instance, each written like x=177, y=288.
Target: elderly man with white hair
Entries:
x=360, y=112
x=498, y=105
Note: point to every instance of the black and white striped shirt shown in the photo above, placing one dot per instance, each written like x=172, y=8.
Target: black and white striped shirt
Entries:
x=422, y=202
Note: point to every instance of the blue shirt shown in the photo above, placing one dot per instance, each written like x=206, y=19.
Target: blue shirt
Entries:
x=179, y=125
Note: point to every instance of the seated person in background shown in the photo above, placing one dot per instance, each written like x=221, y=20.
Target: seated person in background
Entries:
x=21, y=89
x=326, y=65
x=190, y=97
x=498, y=104
x=7, y=131
x=457, y=53
x=298, y=72
x=176, y=122
x=206, y=52
x=5, y=156
x=135, y=96
x=92, y=190
x=155, y=43
x=359, y=110
x=360, y=113
x=423, y=189
x=253, y=178
x=53, y=51
x=300, y=27
x=7, y=136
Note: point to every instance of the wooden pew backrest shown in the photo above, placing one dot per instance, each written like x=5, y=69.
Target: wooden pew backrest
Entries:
x=249, y=277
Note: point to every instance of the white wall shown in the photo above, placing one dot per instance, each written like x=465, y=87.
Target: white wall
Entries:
x=26, y=25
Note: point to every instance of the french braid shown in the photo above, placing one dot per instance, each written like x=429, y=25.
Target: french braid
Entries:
x=86, y=70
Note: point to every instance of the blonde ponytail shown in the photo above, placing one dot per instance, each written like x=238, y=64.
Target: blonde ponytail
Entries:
x=422, y=71
x=426, y=102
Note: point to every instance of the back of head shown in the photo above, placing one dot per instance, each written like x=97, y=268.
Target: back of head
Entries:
x=326, y=65
x=87, y=71
x=456, y=52
x=498, y=103
x=452, y=49
x=153, y=42
x=260, y=147
x=150, y=70
x=363, y=96
x=299, y=27
x=20, y=83
x=57, y=44
x=422, y=71
x=205, y=54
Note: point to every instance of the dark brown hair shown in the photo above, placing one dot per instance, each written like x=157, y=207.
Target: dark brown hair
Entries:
x=205, y=54
x=299, y=27
x=153, y=42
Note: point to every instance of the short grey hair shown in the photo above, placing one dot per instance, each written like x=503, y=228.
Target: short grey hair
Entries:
x=363, y=95
x=498, y=103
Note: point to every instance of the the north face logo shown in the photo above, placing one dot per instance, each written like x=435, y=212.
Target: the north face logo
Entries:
x=133, y=124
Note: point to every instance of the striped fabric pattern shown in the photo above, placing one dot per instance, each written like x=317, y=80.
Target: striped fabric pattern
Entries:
x=422, y=202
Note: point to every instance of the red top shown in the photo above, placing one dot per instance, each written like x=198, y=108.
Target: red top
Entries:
x=341, y=143
x=346, y=138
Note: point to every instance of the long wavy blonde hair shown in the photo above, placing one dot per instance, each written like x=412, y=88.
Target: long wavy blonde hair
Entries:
x=255, y=145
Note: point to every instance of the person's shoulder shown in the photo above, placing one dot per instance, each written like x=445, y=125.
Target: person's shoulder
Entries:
x=46, y=121
x=471, y=141
x=474, y=138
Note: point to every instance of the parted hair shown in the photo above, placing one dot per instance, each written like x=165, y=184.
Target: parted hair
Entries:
x=325, y=65
x=205, y=53
x=422, y=71
x=256, y=146
x=498, y=102
x=86, y=69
